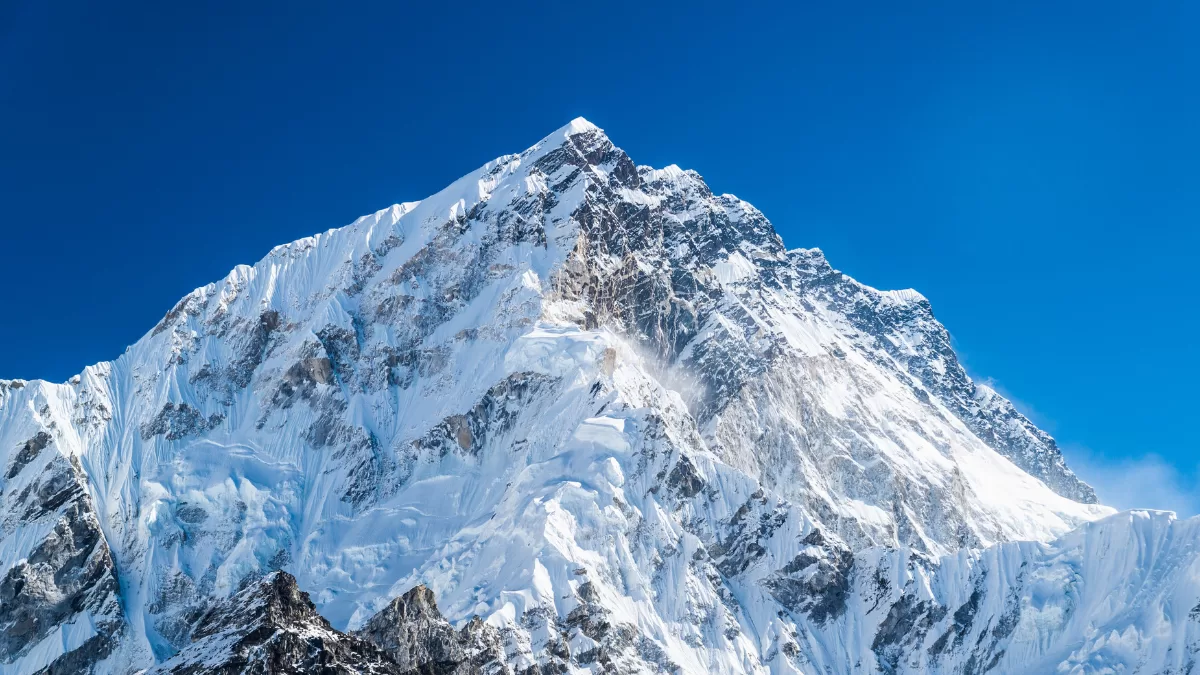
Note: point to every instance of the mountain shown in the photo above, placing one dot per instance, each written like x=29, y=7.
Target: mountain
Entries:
x=569, y=414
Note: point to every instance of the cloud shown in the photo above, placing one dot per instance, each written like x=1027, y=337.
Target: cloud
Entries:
x=1146, y=482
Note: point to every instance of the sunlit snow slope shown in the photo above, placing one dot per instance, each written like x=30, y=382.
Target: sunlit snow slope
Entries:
x=601, y=408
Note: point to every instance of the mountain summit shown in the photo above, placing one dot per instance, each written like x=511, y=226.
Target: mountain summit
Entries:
x=601, y=417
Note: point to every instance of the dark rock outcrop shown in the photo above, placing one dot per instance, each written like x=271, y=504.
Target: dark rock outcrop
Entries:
x=412, y=631
x=66, y=574
x=271, y=626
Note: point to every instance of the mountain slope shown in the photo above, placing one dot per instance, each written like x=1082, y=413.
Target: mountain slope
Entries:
x=59, y=593
x=592, y=403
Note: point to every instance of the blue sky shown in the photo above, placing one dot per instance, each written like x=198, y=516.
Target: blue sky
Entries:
x=1030, y=167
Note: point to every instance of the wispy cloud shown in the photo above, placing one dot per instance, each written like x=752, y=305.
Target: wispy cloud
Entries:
x=1146, y=482
x=1024, y=407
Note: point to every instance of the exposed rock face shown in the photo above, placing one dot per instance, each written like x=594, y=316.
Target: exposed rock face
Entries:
x=59, y=586
x=606, y=418
x=271, y=626
x=412, y=631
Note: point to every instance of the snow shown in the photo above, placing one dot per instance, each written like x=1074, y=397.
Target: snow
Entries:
x=906, y=296
x=734, y=269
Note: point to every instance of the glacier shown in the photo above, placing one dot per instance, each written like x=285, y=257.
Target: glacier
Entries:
x=570, y=414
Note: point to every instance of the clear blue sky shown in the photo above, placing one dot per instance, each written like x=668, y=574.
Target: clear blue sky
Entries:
x=1031, y=167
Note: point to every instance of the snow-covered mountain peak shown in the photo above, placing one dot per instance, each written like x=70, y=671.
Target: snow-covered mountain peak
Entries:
x=579, y=125
x=591, y=403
